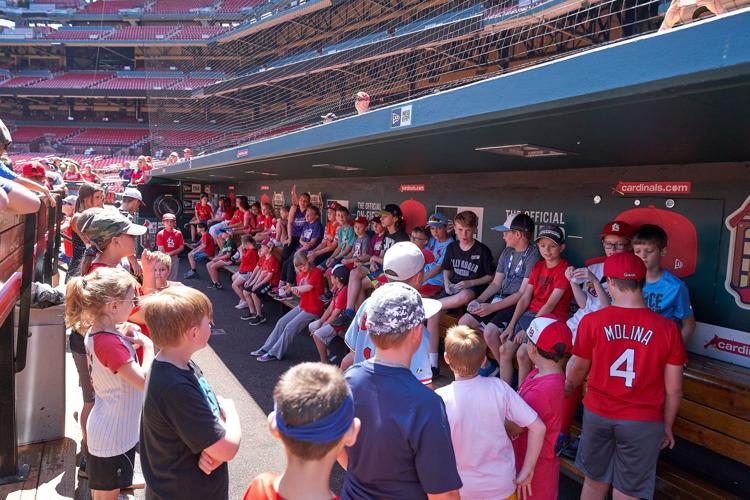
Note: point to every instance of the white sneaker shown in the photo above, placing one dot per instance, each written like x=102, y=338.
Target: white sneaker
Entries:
x=241, y=305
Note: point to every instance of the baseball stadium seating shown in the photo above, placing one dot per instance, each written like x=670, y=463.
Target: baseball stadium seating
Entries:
x=198, y=32
x=29, y=134
x=176, y=6
x=193, y=83
x=138, y=82
x=107, y=137
x=143, y=32
x=238, y=5
x=20, y=81
x=74, y=33
x=110, y=6
x=73, y=80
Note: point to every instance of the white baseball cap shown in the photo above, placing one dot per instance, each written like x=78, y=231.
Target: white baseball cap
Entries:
x=133, y=193
x=404, y=260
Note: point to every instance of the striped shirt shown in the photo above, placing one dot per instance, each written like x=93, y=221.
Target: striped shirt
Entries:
x=113, y=425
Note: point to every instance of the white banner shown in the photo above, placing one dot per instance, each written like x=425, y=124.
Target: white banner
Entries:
x=725, y=344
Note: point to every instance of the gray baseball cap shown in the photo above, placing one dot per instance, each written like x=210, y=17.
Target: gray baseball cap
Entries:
x=395, y=308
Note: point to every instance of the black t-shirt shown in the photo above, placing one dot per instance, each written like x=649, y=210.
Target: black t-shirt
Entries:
x=468, y=265
x=180, y=419
x=392, y=239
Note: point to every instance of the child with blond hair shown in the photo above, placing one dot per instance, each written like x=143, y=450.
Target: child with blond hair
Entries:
x=97, y=304
x=477, y=409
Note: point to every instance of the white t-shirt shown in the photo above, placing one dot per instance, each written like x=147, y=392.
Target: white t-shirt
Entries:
x=592, y=299
x=477, y=409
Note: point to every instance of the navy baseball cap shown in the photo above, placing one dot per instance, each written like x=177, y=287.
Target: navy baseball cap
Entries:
x=437, y=220
x=516, y=222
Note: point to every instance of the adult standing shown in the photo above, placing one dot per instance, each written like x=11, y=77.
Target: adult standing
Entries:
x=634, y=359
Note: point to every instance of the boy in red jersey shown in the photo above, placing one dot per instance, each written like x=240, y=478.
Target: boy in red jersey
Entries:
x=634, y=359
x=321, y=329
x=170, y=241
x=203, y=252
x=314, y=419
x=248, y=263
x=547, y=292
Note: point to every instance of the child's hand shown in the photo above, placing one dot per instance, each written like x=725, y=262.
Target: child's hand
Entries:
x=149, y=260
x=520, y=337
x=569, y=273
x=523, y=483
x=461, y=285
x=207, y=463
x=373, y=267
x=506, y=333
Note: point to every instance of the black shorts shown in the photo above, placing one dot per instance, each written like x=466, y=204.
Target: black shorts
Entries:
x=111, y=473
x=262, y=290
x=476, y=290
x=500, y=319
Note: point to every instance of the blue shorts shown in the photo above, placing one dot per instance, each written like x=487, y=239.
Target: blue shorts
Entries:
x=6, y=185
x=523, y=323
x=201, y=256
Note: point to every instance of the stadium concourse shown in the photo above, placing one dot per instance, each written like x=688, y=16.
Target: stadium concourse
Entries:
x=583, y=128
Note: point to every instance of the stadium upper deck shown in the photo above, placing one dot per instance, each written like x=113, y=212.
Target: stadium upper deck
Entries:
x=281, y=64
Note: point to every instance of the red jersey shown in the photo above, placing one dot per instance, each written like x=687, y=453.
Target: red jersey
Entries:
x=545, y=280
x=545, y=395
x=90, y=177
x=209, y=245
x=310, y=301
x=137, y=177
x=249, y=260
x=170, y=240
x=236, y=217
x=262, y=488
x=229, y=213
x=270, y=264
x=629, y=349
x=96, y=265
x=203, y=212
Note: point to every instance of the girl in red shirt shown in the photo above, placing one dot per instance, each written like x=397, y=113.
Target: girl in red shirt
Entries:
x=72, y=174
x=90, y=176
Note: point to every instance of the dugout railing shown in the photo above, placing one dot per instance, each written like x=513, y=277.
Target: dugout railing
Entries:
x=29, y=245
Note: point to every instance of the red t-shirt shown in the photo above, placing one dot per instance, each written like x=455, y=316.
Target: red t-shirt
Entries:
x=229, y=213
x=90, y=177
x=270, y=264
x=310, y=301
x=67, y=244
x=209, y=245
x=330, y=230
x=236, y=217
x=628, y=349
x=96, y=265
x=339, y=302
x=72, y=176
x=545, y=280
x=249, y=260
x=248, y=222
x=545, y=396
x=204, y=212
x=262, y=488
x=170, y=240
x=137, y=177
x=265, y=222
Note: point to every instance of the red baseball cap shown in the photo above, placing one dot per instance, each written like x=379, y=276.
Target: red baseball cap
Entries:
x=618, y=228
x=624, y=266
x=361, y=220
x=333, y=205
x=33, y=169
x=547, y=331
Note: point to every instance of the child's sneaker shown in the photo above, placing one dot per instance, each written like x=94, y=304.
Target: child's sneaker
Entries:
x=191, y=275
x=241, y=305
x=491, y=369
x=258, y=352
x=264, y=358
x=258, y=320
x=562, y=442
x=218, y=285
x=248, y=316
x=82, y=474
x=571, y=450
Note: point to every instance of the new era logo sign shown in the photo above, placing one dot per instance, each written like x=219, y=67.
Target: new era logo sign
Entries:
x=401, y=117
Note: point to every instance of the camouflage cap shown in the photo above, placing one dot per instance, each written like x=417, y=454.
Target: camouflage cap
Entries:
x=396, y=307
x=104, y=224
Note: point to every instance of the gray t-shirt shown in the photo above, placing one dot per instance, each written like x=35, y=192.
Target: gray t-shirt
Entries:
x=361, y=246
x=516, y=266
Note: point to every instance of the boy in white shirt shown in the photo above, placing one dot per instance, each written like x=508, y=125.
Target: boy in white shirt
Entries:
x=477, y=409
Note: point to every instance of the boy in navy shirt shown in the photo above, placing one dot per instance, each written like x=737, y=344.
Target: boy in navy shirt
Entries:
x=663, y=292
x=404, y=448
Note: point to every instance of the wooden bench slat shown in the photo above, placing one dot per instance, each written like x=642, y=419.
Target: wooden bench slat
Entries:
x=721, y=443
x=721, y=396
x=716, y=420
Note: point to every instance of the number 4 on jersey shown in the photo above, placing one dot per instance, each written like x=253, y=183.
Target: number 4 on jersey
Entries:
x=626, y=359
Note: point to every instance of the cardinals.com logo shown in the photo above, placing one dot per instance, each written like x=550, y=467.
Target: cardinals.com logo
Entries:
x=730, y=346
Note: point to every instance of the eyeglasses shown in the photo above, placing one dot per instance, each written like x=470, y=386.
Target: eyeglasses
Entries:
x=133, y=301
x=614, y=246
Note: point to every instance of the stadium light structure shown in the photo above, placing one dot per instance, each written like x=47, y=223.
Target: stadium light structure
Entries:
x=524, y=150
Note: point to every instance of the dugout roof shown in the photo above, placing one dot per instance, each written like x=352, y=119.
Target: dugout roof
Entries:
x=680, y=96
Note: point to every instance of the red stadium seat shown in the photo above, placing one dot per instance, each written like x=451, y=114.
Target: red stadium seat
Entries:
x=179, y=6
x=238, y=5
x=107, y=137
x=20, y=81
x=138, y=83
x=73, y=81
x=111, y=6
x=198, y=32
x=29, y=134
x=143, y=33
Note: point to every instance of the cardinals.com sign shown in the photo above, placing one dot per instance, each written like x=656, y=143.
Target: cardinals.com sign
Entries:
x=725, y=344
